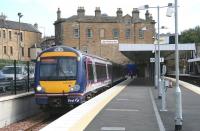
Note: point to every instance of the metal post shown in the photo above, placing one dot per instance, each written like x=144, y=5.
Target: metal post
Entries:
x=159, y=80
x=178, y=117
x=19, y=57
x=163, y=89
x=15, y=78
x=28, y=77
x=156, y=67
x=19, y=37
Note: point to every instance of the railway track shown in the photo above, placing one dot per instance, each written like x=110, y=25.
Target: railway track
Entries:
x=192, y=79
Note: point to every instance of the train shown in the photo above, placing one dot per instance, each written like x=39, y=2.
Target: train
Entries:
x=66, y=76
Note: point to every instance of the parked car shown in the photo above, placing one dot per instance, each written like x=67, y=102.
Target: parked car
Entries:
x=7, y=72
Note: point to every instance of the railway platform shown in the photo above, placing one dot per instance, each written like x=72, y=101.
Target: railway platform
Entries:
x=131, y=110
x=135, y=107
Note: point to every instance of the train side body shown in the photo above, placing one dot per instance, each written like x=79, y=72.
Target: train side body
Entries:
x=66, y=76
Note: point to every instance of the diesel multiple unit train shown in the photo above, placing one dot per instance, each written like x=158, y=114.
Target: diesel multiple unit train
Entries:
x=66, y=76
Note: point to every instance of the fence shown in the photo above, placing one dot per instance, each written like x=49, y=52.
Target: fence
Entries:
x=16, y=77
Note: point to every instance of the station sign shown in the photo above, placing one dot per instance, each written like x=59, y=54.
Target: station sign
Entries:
x=109, y=41
x=153, y=59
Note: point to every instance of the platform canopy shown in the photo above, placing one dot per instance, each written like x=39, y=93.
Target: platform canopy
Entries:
x=194, y=60
x=143, y=52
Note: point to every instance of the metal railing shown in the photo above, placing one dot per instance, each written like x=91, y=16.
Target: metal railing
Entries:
x=16, y=77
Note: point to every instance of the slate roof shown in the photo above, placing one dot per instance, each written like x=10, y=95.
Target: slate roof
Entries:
x=93, y=19
x=15, y=25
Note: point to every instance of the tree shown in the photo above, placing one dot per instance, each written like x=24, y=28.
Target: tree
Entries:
x=190, y=35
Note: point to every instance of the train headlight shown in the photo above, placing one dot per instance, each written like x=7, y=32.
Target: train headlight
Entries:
x=75, y=88
x=39, y=88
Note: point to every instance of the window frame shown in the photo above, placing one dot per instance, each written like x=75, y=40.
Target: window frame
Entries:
x=89, y=33
x=10, y=35
x=22, y=49
x=76, y=34
x=4, y=34
x=115, y=33
x=5, y=50
x=11, y=50
x=128, y=33
x=141, y=34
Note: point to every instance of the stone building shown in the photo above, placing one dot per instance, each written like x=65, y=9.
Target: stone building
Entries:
x=101, y=34
x=15, y=45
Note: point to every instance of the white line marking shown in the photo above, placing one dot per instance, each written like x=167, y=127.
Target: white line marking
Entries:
x=159, y=121
x=122, y=99
x=112, y=128
x=121, y=109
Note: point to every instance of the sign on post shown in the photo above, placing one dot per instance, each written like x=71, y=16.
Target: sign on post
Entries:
x=153, y=59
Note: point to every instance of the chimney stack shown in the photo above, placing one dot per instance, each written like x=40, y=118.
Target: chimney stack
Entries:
x=81, y=11
x=58, y=14
x=147, y=15
x=97, y=12
x=36, y=25
x=135, y=14
x=119, y=13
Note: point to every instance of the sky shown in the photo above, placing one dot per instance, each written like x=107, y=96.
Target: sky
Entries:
x=43, y=12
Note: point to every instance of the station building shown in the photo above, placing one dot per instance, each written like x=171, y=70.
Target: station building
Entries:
x=15, y=45
x=101, y=34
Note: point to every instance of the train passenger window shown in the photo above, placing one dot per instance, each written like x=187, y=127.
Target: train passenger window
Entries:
x=101, y=71
x=90, y=72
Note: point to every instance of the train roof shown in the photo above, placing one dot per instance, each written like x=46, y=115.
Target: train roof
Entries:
x=67, y=48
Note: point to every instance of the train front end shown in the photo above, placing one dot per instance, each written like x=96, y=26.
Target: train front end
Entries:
x=58, y=77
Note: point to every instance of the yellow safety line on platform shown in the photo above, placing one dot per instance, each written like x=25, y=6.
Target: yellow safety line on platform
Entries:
x=87, y=118
x=191, y=87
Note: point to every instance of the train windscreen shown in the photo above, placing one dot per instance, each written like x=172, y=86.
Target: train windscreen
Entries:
x=58, y=68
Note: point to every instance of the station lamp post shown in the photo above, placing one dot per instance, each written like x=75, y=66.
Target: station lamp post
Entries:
x=157, y=52
x=19, y=36
x=178, y=117
x=178, y=97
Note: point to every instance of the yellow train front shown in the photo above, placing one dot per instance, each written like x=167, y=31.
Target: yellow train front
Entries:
x=64, y=76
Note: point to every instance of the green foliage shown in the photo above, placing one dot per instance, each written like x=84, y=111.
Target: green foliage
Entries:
x=190, y=35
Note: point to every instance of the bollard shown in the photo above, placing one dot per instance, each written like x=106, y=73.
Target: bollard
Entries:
x=163, y=89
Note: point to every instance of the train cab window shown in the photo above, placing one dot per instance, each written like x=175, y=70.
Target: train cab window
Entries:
x=90, y=72
x=58, y=68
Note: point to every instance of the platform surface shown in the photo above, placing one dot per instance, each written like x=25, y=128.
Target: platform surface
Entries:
x=131, y=110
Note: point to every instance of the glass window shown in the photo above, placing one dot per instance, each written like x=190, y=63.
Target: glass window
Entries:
x=10, y=35
x=128, y=33
x=141, y=34
x=127, y=21
x=4, y=34
x=89, y=33
x=102, y=33
x=11, y=50
x=115, y=33
x=4, y=49
x=58, y=68
x=29, y=52
x=90, y=72
x=22, y=51
x=21, y=36
x=101, y=71
x=76, y=33
x=10, y=70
